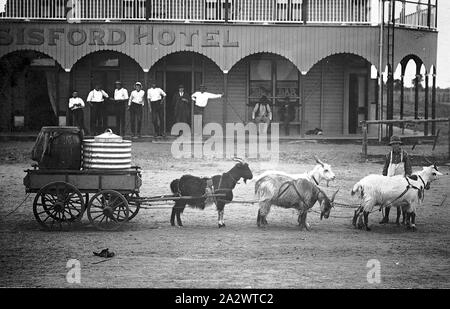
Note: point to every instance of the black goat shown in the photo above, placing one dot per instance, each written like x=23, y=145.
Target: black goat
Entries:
x=189, y=185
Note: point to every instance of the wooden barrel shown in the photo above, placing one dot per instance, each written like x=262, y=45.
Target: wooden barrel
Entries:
x=106, y=155
x=58, y=148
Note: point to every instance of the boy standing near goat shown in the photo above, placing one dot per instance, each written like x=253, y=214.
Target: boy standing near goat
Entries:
x=397, y=163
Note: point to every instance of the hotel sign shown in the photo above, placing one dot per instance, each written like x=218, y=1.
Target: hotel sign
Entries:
x=115, y=36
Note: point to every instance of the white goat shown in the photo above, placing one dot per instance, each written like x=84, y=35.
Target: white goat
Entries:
x=287, y=192
x=322, y=171
x=387, y=191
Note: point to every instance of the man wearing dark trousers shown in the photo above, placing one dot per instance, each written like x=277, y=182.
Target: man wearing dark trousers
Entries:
x=76, y=106
x=136, y=107
x=96, y=99
x=155, y=97
x=181, y=101
x=120, y=105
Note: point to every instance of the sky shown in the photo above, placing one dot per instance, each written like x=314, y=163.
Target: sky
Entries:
x=443, y=55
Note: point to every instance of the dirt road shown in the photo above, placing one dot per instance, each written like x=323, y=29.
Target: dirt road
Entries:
x=151, y=253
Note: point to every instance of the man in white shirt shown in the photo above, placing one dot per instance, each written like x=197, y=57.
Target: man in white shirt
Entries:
x=201, y=98
x=136, y=106
x=155, y=98
x=120, y=102
x=76, y=106
x=96, y=99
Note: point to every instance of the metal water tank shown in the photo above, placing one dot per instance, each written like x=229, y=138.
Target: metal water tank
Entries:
x=106, y=151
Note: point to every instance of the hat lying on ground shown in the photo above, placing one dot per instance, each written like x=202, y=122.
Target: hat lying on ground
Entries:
x=104, y=253
x=395, y=140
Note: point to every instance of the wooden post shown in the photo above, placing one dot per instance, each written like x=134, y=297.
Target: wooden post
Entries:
x=225, y=98
x=448, y=138
x=302, y=106
x=416, y=92
x=365, y=140
x=433, y=103
x=426, y=103
x=305, y=11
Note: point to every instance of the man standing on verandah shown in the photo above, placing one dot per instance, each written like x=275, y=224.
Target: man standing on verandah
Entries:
x=201, y=98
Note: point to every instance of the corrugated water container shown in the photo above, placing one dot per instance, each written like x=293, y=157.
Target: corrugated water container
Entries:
x=106, y=151
x=58, y=148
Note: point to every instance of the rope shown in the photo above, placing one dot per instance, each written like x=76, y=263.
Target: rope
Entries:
x=15, y=209
x=332, y=216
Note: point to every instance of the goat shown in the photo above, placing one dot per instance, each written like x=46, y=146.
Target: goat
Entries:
x=388, y=191
x=288, y=192
x=189, y=185
x=322, y=171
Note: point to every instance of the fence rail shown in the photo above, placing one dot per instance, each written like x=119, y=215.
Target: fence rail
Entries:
x=418, y=13
x=339, y=11
x=365, y=123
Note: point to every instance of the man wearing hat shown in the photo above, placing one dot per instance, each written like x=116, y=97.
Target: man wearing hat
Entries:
x=155, y=98
x=120, y=104
x=182, y=105
x=396, y=163
x=201, y=98
x=136, y=106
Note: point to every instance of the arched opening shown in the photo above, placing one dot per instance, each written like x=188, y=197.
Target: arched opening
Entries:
x=271, y=76
x=338, y=92
x=105, y=68
x=29, y=91
x=412, y=88
x=189, y=69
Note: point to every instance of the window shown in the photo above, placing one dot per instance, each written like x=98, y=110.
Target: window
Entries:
x=260, y=79
x=105, y=61
x=278, y=79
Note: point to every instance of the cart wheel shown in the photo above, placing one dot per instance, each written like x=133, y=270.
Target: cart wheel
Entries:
x=133, y=204
x=58, y=205
x=108, y=210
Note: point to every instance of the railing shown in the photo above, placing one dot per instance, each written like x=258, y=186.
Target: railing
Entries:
x=33, y=9
x=107, y=9
x=339, y=11
x=73, y=9
x=411, y=13
x=187, y=10
x=231, y=10
x=417, y=14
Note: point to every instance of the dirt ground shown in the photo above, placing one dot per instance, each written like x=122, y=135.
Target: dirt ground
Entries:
x=152, y=254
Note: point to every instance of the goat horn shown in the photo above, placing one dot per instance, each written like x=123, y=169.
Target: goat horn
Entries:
x=238, y=160
x=428, y=161
x=318, y=160
x=334, y=195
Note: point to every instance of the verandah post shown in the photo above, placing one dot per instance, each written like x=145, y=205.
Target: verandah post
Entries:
x=448, y=136
x=365, y=140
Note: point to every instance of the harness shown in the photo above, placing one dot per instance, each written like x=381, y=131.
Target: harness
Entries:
x=315, y=181
x=290, y=183
x=421, y=191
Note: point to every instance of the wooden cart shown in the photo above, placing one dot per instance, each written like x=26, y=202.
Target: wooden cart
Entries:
x=110, y=198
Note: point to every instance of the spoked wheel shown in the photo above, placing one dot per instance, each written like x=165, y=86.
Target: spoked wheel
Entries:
x=133, y=204
x=58, y=205
x=108, y=210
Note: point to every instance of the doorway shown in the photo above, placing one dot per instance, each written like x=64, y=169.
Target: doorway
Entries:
x=357, y=110
x=106, y=79
x=39, y=111
x=173, y=80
